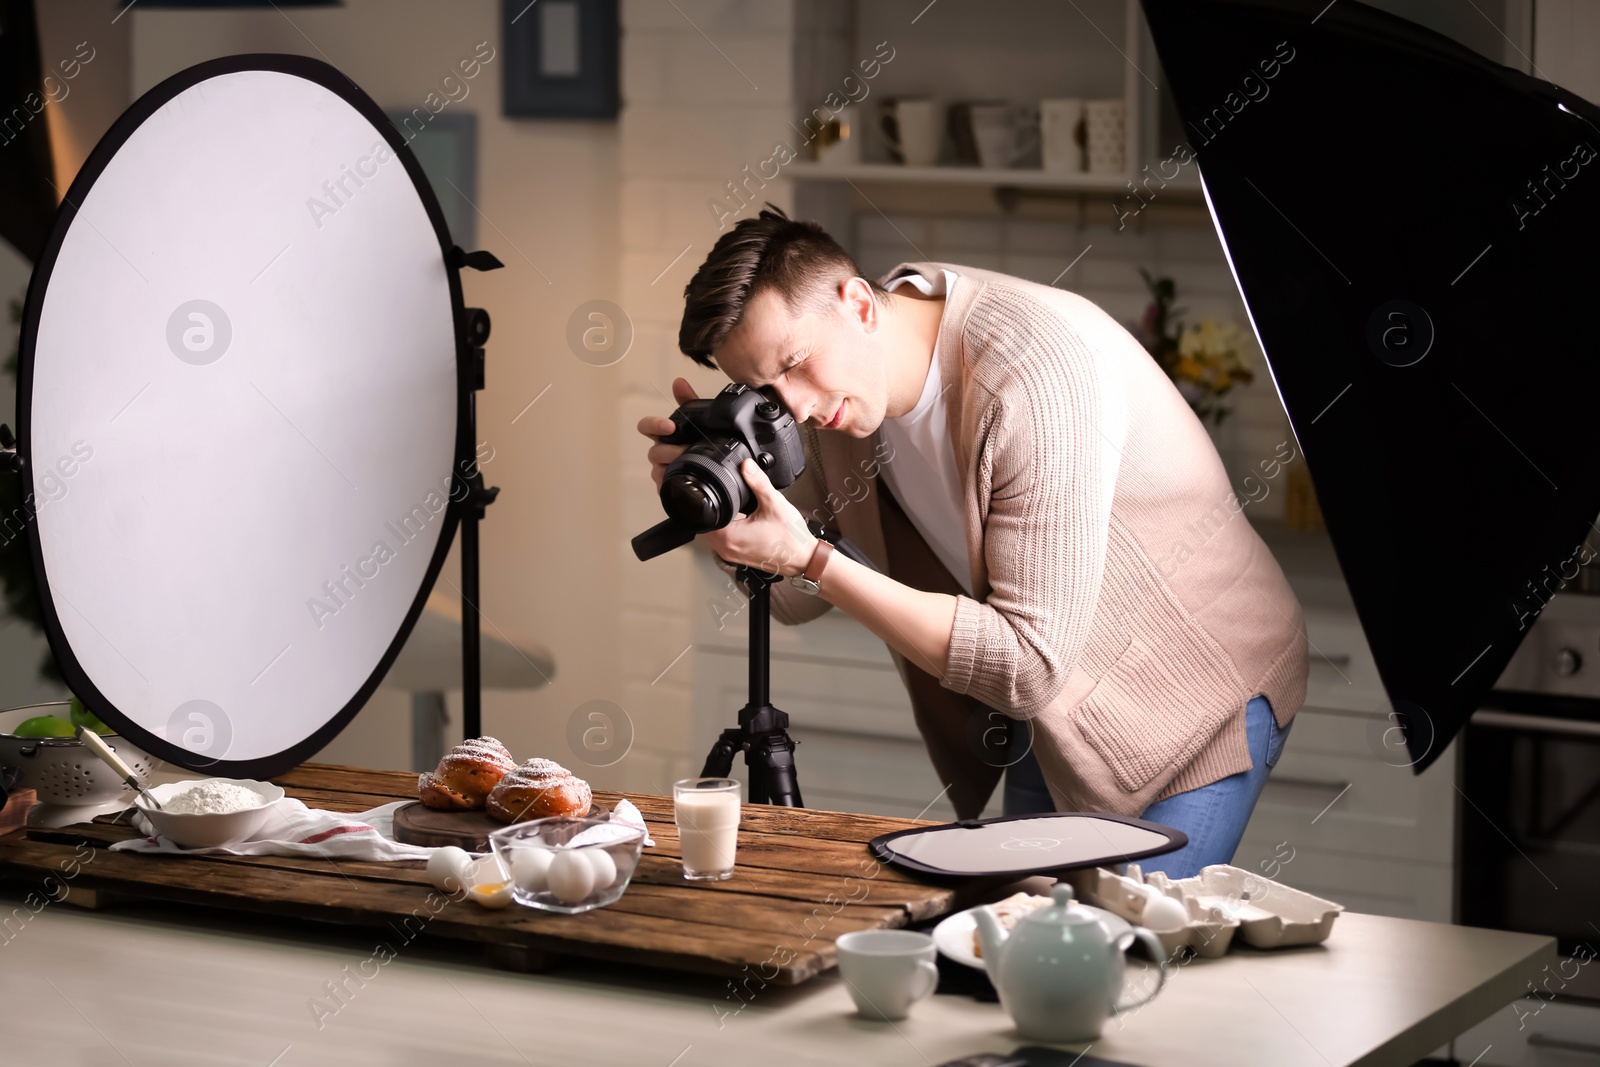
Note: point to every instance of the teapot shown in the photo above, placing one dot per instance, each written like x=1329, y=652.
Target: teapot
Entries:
x=1059, y=974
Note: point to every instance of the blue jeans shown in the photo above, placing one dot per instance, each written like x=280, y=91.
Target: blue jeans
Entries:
x=1214, y=815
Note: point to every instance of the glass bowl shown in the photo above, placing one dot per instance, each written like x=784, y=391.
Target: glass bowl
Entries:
x=568, y=863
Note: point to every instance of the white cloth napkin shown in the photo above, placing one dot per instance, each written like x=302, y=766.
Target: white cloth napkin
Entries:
x=627, y=813
x=296, y=830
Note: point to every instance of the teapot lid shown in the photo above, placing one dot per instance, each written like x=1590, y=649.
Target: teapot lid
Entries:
x=1060, y=910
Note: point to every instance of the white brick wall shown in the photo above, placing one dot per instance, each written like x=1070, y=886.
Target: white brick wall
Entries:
x=706, y=88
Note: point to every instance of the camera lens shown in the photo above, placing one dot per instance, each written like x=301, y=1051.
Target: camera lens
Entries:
x=689, y=500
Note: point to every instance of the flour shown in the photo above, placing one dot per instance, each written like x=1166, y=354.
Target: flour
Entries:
x=213, y=798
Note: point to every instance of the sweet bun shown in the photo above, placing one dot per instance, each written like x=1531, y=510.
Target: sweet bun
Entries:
x=537, y=789
x=1009, y=912
x=465, y=776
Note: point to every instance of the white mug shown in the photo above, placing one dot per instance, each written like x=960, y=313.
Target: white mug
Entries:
x=1003, y=133
x=840, y=141
x=1106, y=133
x=1061, y=128
x=911, y=130
x=887, y=971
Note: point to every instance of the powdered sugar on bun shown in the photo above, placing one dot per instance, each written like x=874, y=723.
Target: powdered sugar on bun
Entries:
x=530, y=771
x=488, y=749
x=538, y=788
x=466, y=775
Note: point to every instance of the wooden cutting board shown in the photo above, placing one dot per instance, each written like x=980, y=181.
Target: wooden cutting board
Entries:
x=418, y=824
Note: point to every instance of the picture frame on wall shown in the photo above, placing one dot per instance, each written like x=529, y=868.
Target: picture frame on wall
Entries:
x=446, y=147
x=561, y=59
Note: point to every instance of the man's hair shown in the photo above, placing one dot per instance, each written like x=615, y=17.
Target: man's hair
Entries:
x=771, y=251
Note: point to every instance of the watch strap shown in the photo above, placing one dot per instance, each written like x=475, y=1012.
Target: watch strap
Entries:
x=819, y=560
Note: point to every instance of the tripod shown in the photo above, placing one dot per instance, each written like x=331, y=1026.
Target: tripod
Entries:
x=762, y=733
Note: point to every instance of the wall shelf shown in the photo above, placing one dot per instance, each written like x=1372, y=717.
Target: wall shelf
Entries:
x=1095, y=49
x=993, y=177
x=1011, y=187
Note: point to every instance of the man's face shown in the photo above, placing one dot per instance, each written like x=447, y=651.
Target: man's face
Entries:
x=827, y=366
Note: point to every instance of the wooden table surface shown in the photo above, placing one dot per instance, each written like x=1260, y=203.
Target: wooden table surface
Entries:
x=803, y=878
x=169, y=984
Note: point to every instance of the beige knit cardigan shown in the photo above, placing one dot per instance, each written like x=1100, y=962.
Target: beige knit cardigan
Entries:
x=1134, y=645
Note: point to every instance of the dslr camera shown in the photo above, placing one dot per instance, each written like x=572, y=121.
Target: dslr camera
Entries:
x=702, y=490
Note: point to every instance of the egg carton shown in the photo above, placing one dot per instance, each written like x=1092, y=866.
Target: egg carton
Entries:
x=1222, y=901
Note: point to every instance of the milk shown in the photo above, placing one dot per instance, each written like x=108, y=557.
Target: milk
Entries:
x=708, y=829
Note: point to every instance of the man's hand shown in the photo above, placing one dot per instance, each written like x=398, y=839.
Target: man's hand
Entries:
x=658, y=426
x=773, y=538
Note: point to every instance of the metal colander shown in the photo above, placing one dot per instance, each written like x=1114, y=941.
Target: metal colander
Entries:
x=61, y=768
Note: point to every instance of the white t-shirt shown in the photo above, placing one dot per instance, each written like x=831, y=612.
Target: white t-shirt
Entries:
x=923, y=475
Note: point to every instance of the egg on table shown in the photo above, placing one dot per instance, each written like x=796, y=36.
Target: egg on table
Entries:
x=605, y=868
x=571, y=876
x=530, y=868
x=448, y=869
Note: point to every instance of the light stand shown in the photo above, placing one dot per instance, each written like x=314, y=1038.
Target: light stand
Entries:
x=762, y=733
x=474, y=332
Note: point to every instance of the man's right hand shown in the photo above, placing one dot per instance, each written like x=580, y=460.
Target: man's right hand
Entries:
x=658, y=426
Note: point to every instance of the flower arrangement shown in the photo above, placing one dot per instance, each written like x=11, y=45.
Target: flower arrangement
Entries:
x=1205, y=361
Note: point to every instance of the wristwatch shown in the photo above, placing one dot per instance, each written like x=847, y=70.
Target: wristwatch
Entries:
x=811, y=580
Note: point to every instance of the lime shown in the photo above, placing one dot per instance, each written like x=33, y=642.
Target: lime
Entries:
x=45, y=726
x=82, y=716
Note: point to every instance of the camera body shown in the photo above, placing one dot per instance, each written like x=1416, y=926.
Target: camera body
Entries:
x=703, y=489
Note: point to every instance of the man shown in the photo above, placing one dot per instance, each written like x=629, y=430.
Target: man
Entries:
x=1058, y=545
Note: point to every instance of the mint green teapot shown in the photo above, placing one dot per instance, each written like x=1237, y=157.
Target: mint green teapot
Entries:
x=1059, y=974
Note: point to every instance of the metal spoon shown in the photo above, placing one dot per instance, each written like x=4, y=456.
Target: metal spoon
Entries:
x=94, y=743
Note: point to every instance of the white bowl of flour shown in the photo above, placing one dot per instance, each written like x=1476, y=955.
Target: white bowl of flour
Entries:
x=204, y=812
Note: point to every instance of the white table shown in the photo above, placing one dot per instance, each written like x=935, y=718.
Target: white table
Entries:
x=157, y=986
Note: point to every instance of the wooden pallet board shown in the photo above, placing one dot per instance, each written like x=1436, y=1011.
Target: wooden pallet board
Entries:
x=804, y=878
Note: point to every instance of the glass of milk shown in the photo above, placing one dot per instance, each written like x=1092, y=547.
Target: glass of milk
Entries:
x=707, y=813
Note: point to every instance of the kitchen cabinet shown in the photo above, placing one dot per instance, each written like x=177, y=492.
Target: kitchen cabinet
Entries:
x=1534, y=1032
x=1337, y=821
x=1361, y=827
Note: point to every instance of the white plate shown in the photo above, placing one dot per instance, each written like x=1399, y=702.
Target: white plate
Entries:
x=953, y=935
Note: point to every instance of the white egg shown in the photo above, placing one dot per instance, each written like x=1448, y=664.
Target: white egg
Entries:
x=605, y=868
x=530, y=868
x=571, y=876
x=1163, y=913
x=447, y=869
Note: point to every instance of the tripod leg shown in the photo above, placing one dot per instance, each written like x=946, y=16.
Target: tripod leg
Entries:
x=759, y=776
x=772, y=765
x=719, y=762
